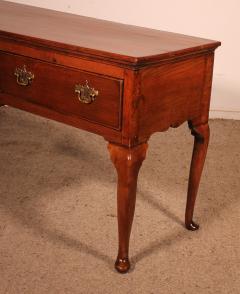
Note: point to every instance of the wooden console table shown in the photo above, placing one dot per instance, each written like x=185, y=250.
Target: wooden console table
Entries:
x=119, y=81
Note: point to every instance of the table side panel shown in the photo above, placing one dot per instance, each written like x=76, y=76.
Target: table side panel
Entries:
x=171, y=94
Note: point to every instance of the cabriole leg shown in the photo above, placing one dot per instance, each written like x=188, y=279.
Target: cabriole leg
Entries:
x=127, y=162
x=201, y=139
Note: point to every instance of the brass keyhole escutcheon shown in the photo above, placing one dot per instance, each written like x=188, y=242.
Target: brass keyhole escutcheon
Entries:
x=85, y=93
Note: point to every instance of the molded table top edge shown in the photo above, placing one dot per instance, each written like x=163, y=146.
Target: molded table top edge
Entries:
x=95, y=38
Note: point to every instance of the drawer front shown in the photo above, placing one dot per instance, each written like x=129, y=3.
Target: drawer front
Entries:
x=98, y=98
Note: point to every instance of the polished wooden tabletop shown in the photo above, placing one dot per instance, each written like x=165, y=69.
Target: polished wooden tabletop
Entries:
x=97, y=37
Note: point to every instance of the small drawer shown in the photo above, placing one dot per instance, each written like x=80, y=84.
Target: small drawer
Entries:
x=93, y=97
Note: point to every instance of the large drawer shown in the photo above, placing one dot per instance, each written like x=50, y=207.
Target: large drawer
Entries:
x=54, y=87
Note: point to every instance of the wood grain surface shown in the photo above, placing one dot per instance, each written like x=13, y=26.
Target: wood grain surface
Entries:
x=95, y=37
x=54, y=87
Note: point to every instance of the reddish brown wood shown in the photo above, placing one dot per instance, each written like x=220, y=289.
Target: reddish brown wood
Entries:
x=103, y=39
x=170, y=94
x=204, y=101
x=201, y=139
x=53, y=56
x=127, y=162
x=71, y=120
x=148, y=81
x=130, y=123
x=61, y=81
x=200, y=130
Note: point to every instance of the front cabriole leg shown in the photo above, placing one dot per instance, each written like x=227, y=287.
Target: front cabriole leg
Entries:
x=127, y=162
x=201, y=139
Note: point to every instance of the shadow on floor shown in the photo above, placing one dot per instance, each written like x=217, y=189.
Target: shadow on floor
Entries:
x=61, y=142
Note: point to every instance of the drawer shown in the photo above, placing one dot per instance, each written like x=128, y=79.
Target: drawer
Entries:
x=98, y=97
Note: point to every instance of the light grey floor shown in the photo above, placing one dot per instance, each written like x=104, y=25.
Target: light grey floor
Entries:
x=58, y=231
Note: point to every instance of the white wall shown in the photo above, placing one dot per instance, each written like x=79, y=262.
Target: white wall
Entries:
x=214, y=19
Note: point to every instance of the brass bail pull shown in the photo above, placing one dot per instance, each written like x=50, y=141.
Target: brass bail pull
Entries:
x=24, y=77
x=85, y=93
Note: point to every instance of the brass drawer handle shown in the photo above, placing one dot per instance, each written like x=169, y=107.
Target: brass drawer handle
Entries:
x=85, y=93
x=24, y=77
